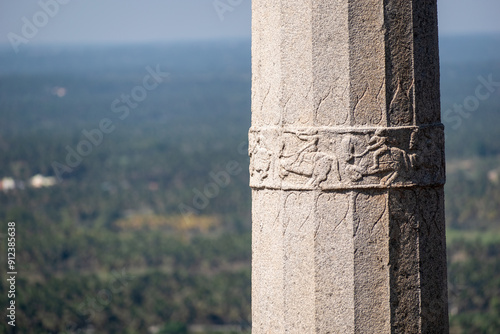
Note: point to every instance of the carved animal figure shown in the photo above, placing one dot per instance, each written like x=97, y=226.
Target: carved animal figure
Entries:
x=300, y=162
x=386, y=158
x=323, y=165
x=310, y=163
x=393, y=161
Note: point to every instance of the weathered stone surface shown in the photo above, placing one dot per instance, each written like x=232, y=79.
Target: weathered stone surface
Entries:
x=346, y=158
x=347, y=168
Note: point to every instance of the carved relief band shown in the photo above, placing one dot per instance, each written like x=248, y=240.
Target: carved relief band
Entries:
x=330, y=158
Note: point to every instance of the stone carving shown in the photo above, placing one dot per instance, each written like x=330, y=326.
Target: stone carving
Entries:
x=295, y=105
x=401, y=107
x=387, y=157
x=370, y=208
x=329, y=100
x=332, y=158
x=297, y=208
x=308, y=161
x=331, y=210
x=368, y=104
x=260, y=161
x=270, y=200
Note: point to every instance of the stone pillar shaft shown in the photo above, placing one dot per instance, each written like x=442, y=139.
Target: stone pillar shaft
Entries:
x=347, y=168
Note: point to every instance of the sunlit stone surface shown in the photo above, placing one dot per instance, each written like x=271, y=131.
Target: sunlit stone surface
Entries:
x=347, y=168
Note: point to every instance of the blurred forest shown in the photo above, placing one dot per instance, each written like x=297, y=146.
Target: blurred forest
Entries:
x=150, y=232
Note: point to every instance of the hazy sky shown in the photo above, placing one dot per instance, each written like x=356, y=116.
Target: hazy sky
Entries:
x=90, y=21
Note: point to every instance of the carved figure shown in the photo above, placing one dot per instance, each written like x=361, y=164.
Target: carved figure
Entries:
x=378, y=157
x=323, y=164
x=260, y=161
x=347, y=152
x=388, y=158
x=307, y=161
x=396, y=161
x=378, y=143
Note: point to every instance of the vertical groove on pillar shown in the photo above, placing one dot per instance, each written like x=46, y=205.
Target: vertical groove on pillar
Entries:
x=426, y=61
x=432, y=251
x=366, y=62
x=299, y=278
x=296, y=81
x=398, y=35
x=404, y=261
x=334, y=262
x=371, y=256
x=266, y=62
x=267, y=263
x=330, y=62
